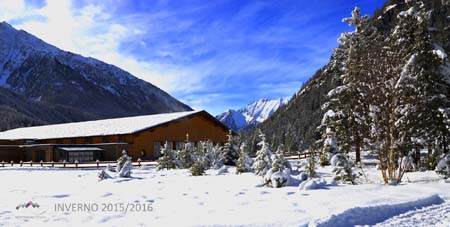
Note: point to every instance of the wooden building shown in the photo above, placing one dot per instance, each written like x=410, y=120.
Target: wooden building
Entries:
x=141, y=136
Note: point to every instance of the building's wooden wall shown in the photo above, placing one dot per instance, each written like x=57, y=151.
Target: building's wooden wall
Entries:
x=199, y=127
x=11, y=153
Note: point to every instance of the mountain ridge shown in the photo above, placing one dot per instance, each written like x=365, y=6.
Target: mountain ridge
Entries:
x=60, y=80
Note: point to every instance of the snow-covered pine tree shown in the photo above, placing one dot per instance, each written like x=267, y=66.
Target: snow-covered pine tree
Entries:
x=244, y=162
x=197, y=168
x=280, y=163
x=263, y=161
x=310, y=167
x=279, y=175
x=344, y=169
x=347, y=101
x=215, y=155
x=200, y=159
x=186, y=156
x=330, y=146
x=433, y=88
x=167, y=159
x=230, y=150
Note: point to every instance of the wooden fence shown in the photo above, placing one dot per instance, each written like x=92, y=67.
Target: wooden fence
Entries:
x=300, y=155
x=138, y=163
x=96, y=164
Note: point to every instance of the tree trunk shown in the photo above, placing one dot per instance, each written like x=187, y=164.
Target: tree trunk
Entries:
x=358, y=149
x=417, y=157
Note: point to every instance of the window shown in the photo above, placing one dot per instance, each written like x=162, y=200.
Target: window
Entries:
x=85, y=156
x=170, y=145
x=156, y=149
x=179, y=145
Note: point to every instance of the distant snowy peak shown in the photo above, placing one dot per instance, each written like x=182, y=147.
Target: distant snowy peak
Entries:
x=261, y=110
x=233, y=119
x=251, y=114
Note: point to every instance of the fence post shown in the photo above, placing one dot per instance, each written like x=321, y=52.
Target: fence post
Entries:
x=42, y=163
x=53, y=163
x=64, y=163
x=139, y=162
x=31, y=163
x=21, y=163
x=76, y=163
x=12, y=163
x=3, y=163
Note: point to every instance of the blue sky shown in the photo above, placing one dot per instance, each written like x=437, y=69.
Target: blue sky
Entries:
x=212, y=55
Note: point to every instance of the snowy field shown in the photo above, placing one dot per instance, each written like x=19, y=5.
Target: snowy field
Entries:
x=174, y=198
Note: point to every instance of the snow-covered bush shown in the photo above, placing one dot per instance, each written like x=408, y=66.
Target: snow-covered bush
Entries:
x=222, y=170
x=310, y=167
x=125, y=171
x=168, y=158
x=121, y=161
x=280, y=173
x=303, y=176
x=443, y=166
x=263, y=161
x=338, y=160
x=318, y=183
x=110, y=168
x=197, y=169
x=407, y=163
x=277, y=179
x=124, y=165
x=103, y=175
x=244, y=162
x=344, y=169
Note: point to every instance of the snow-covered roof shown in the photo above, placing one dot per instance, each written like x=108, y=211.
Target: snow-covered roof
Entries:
x=116, y=126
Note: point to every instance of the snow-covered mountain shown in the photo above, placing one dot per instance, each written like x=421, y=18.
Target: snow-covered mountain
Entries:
x=251, y=114
x=79, y=88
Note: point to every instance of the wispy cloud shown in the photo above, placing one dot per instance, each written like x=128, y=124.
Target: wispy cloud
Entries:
x=213, y=55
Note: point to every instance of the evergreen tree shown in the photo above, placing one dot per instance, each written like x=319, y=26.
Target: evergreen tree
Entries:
x=263, y=160
x=216, y=155
x=168, y=158
x=186, y=156
x=344, y=170
x=347, y=101
x=280, y=163
x=230, y=150
x=329, y=142
x=197, y=168
x=244, y=162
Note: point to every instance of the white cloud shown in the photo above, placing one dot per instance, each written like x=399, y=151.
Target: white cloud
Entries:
x=90, y=31
x=10, y=9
